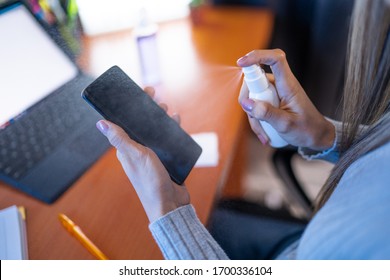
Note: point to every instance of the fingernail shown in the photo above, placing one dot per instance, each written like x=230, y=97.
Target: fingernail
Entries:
x=242, y=60
x=102, y=126
x=176, y=117
x=248, y=104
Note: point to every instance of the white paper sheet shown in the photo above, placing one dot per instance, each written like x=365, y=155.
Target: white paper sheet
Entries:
x=210, y=154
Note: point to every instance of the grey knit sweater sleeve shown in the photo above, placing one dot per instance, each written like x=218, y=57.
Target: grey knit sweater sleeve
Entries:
x=332, y=154
x=181, y=236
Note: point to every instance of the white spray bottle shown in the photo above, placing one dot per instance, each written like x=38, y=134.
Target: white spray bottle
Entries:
x=260, y=89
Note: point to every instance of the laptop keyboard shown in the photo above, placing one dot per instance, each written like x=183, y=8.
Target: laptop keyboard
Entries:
x=30, y=139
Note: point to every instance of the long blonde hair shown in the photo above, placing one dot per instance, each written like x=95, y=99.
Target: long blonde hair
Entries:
x=366, y=98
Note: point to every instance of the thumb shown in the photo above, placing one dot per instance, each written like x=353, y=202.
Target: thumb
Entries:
x=264, y=111
x=115, y=135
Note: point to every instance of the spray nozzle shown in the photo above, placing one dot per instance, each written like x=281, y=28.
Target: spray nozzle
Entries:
x=252, y=71
x=255, y=78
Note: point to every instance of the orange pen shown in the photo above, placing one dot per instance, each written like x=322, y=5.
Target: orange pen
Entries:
x=80, y=236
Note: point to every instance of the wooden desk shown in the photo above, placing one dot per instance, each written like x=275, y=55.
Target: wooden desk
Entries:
x=194, y=84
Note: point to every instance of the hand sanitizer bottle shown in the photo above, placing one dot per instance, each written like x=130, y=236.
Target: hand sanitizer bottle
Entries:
x=146, y=35
x=260, y=89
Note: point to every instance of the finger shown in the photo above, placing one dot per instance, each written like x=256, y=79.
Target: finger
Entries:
x=244, y=92
x=258, y=130
x=276, y=117
x=275, y=58
x=150, y=91
x=163, y=106
x=270, y=78
x=117, y=136
x=176, y=118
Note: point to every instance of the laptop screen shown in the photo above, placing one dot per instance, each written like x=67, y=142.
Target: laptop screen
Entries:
x=31, y=64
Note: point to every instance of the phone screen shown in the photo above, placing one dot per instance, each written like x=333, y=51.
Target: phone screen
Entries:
x=120, y=100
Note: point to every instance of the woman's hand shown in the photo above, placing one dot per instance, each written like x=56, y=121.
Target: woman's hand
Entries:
x=296, y=120
x=157, y=192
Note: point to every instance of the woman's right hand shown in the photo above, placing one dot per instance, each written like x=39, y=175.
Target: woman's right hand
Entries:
x=296, y=120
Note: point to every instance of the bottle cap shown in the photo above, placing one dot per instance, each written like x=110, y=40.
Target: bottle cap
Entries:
x=145, y=26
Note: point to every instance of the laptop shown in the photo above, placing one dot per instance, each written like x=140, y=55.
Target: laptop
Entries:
x=48, y=137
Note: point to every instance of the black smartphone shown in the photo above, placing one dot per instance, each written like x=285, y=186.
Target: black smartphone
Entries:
x=120, y=100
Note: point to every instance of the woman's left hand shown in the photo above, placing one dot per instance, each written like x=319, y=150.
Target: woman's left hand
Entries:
x=157, y=192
